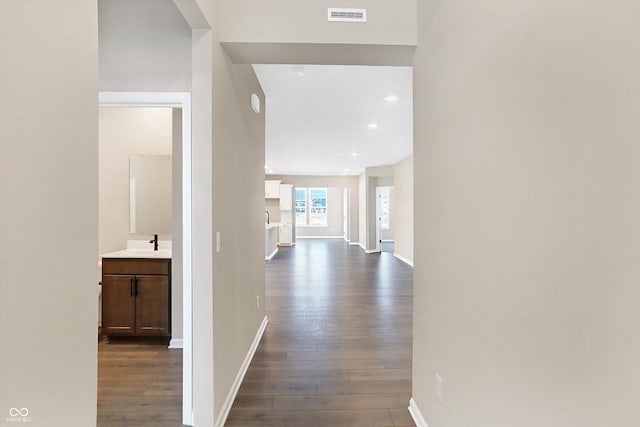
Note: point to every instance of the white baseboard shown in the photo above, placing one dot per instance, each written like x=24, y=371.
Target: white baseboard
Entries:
x=403, y=259
x=176, y=343
x=362, y=246
x=354, y=243
x=416, y=414
x=319, y=237
x=371, y=251
x=271, y=255
x=228, y=403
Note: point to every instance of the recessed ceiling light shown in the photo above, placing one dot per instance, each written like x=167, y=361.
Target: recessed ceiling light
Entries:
x=372, y=125
x=354, y=153
x=270, y=170
x=266, y=167
x=391, y=98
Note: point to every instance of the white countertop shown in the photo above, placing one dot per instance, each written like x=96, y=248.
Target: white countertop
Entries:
x=139, y=253
x=142, y=249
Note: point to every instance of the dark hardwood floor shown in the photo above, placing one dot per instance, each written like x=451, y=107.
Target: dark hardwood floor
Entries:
x=337, y=350
x=139, y=384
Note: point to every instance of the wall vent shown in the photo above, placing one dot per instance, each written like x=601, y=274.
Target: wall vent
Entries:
x=338, y=14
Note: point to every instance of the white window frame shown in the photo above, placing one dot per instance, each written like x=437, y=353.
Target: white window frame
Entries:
x=308, y=205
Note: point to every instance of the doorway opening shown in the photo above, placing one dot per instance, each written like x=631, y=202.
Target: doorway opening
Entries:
x=180, y=105
x=384, y=229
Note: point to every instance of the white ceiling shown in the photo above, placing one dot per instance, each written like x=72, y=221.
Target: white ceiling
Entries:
x=317, y=120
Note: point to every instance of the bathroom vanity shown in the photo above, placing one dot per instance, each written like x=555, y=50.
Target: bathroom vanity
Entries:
x=136, y=293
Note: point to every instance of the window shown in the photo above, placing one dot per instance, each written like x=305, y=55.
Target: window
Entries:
x=301, y=206
x=311, y=207
x=318, y=206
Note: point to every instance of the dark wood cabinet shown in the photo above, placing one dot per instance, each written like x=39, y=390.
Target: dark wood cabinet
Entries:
x=136, y=297
x=118, y=305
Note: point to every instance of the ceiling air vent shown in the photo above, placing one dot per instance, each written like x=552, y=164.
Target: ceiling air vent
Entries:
x=347, y=15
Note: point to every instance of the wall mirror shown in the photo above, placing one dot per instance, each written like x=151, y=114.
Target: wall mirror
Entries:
x=150, y=194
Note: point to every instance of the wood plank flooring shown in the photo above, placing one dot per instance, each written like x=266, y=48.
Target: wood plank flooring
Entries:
x=337, y=350
x=139, y=384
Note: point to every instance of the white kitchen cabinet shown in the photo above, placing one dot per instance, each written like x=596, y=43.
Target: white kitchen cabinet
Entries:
x=286, y=234
x=272, y=189
x=271, y=234
x=286, y=197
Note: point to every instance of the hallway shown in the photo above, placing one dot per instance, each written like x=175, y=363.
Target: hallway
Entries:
x=337, y=350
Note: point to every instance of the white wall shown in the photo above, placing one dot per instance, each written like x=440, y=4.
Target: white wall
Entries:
x=273, y=206
x=386, y=180
x=202, y=223
x=238, y=214
x=48, y=211
x=527, y=213
x=124, y=132
x=402, y=209
x=335, y=217
x=288, y=31
x=145, y=45
x=291, y=21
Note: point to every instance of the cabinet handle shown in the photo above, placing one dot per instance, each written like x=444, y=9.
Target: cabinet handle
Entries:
x=130, y=287
x=136, y=286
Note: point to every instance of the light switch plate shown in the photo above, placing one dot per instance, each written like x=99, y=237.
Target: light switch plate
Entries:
x=218, y=243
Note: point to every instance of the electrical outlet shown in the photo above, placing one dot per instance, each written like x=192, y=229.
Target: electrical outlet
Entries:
x=439, y=388
x=257, y=301
x=218, y=243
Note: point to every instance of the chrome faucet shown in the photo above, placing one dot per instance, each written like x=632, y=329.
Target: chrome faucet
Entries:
x=267, y=212
x=155, y=242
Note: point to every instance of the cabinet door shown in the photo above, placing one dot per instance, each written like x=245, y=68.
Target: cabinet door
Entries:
x=152, y=305
x=272, y=189
x=286, y=197
x=118, y=305
x=285, y=235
